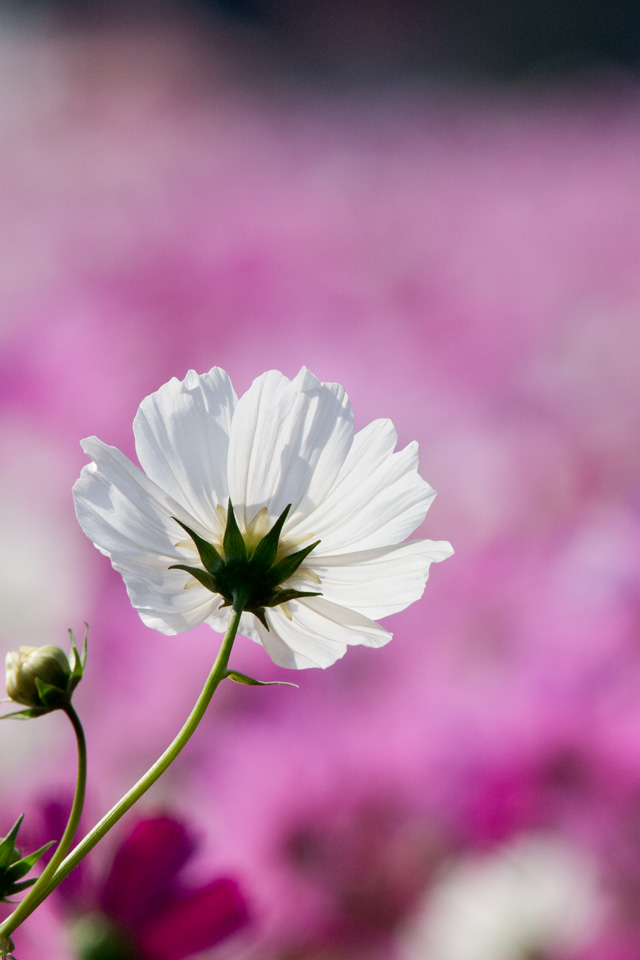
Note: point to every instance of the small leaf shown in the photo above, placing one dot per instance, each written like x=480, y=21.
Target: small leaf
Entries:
x=211, y=559
x=267, y=550
x=250, y=682
x=233, y=543
x=202, y=576
x=288, y=565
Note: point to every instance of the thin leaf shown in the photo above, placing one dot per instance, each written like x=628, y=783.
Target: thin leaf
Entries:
x=250, y=682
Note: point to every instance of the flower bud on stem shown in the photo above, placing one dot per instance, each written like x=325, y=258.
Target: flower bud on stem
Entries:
x=52, y=877
x=43, y=679
x=36, y=894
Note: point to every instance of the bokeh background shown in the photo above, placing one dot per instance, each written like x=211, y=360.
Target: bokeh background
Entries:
x=437, y=205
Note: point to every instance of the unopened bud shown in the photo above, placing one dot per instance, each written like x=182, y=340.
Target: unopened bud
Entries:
x=38, y=677
x=13, y=867
x=43, y=678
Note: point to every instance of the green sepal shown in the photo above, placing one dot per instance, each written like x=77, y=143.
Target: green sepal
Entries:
x=202, y=576
x=281, y=596
x=233, y=544
x=13, y=867
x=247, y=582
x=21, y=867
x=79, y=659
x=211, y=559
x=250, y=682
x=27, y=714
x=8, y=844
x=18, y=888
x=52, y=697
x=260, y=614
x=288, y=565
x=267, y=550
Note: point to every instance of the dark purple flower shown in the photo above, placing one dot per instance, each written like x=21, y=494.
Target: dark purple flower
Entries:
x=142, y=911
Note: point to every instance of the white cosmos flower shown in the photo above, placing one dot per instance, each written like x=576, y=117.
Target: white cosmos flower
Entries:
x=537, y=896
x=283, y=442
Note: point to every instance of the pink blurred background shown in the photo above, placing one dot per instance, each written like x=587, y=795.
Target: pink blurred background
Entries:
x=464, y=259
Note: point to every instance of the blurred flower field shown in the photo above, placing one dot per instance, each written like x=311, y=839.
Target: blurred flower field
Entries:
x=465, y=262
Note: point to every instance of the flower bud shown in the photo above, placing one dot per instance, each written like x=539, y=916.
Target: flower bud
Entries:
x=39, y=677
x=13, y=867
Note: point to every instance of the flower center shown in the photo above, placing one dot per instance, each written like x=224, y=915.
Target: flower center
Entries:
x=248, y=575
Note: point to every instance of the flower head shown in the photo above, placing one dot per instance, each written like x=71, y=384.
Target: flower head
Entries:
x=270, y=502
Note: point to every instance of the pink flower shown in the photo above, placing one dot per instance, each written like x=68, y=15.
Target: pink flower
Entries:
x=142, y=910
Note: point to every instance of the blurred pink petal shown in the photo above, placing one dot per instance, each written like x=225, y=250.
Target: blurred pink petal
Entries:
x=195, y=922
x=143, y=874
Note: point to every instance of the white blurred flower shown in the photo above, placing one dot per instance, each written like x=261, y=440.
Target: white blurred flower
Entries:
x=535, y=897
x=285, y=442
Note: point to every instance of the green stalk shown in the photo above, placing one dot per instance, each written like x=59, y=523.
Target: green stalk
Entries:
x=34, y=897
x=218, y=673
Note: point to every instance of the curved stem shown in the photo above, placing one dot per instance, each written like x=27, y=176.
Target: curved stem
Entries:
x=34, y=897
x=218, y=673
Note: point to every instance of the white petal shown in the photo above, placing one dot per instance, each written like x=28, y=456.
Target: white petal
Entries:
x=182, y=439
x=120, y=508
x=378, y=497
x=218, y=620
x=379, y=582
x=129, y=519
x=168, y=608
x=289, y=439
x=318, y=633
x=280, y=653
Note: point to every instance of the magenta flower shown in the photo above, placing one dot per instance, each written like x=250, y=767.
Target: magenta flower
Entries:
x=143, y=912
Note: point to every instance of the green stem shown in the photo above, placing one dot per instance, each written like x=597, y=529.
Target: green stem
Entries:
x=34, y=897
x=218, y=673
